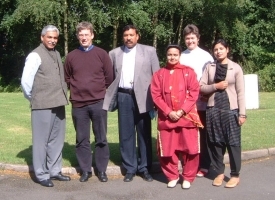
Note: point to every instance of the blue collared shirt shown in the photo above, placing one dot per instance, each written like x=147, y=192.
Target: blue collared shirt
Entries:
x=86, y=49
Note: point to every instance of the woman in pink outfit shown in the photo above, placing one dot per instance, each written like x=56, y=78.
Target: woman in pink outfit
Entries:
x=175, y=90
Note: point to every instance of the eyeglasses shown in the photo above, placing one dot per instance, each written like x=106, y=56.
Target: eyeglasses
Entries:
x=84, y=35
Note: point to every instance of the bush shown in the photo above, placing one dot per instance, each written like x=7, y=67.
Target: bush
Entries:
x=267, y=78
x=13, y=86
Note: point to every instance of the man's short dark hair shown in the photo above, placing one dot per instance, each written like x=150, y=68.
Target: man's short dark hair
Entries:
x=130, y=26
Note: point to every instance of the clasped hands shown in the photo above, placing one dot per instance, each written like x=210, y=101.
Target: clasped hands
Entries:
x=176, y=115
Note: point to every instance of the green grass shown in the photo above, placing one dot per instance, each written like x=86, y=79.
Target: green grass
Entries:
x=15, y=130
x=259, y=130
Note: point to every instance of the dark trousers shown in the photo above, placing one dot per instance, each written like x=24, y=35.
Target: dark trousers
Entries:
x=131, y=121
x=82, y=118
x=234, y=152
x=205, y=160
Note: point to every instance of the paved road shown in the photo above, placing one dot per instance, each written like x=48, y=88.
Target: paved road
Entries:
x=257, y=182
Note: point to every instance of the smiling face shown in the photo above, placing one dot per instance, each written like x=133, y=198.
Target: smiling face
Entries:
x=130, y=38
x=191, y=41
x=173, y=56
x=220, y=52
x=50, y=39
x=85, y=38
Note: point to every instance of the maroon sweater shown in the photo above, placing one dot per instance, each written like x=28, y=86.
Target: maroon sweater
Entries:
x=88, y=74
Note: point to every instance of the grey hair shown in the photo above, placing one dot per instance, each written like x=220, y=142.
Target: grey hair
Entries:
x=49, y=28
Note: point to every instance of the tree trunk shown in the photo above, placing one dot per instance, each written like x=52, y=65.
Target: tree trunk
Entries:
x=65, y=27
x=171, y=27
x=155, y=23
x=115, y=29
x=180, y=29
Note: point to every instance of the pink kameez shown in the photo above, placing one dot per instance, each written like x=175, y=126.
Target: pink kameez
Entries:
x=181, y=136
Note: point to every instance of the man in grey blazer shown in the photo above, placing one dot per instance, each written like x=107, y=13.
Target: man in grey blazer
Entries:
x=134, y=65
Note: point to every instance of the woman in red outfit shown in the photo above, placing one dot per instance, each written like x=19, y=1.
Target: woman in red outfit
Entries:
x=175, y=90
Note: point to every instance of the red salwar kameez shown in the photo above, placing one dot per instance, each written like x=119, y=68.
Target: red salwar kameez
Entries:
x=173, y=88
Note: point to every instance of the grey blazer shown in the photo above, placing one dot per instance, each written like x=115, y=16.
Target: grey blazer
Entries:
x=146, y=64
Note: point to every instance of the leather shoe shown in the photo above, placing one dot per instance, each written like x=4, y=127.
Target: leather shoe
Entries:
x=102, y=176
x=128, y=177
x=233, y=182
x=218, y=180
x=146, y=176
x=46, y=183
x=85, y=176
x=61, y=177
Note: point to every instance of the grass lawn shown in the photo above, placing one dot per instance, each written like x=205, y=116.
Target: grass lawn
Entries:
x=16, y=142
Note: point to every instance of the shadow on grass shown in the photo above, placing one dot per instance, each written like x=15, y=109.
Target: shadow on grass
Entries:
x=26, y=154
x=68, y=154
x=115, y=157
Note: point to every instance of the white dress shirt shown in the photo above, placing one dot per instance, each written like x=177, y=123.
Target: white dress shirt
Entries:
x=32, y=63
x=128, y=68
x=197, y=59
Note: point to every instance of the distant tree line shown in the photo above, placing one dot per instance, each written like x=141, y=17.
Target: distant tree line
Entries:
x=248, y=26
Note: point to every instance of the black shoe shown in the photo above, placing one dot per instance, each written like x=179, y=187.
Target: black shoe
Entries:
x=46, y=183
x=102, y=176
x=61, y=177
x=146, y=176
x=128, y=177
x=85, y=176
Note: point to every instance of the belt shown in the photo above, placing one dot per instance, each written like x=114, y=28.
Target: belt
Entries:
x=127, y=91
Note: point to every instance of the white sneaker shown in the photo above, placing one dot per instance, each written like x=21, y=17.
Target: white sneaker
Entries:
x=172, y=183
x=186, y=185
x=202, y=172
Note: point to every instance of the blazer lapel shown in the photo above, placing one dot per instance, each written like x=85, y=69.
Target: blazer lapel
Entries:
x=138, y=62
x=119, y=60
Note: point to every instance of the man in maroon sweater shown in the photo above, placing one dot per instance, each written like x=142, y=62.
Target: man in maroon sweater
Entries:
x=88, y=73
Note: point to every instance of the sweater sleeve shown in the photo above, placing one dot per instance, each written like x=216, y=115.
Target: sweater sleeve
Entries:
x=67, y=71
x=108, y=70
x=240, y=89
x=206, y=87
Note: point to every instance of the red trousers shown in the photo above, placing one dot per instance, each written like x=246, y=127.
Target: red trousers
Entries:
x=169, y=166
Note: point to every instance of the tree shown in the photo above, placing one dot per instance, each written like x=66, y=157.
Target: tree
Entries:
x=126, y=12
x=65, y=14
x=248, y=26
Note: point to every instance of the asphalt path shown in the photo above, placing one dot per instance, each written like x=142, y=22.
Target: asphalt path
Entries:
x=257, y=183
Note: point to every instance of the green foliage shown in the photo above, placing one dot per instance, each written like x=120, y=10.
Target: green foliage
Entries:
x=13, y=86
x=248, y=26
x=267, y=78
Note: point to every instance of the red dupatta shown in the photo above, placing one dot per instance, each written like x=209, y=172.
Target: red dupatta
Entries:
x=176, y=103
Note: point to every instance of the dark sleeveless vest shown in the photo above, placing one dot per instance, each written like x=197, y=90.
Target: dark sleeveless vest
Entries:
x=49, y=87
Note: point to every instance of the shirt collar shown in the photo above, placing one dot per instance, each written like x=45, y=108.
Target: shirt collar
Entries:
x=86, y=49
x=127, y=50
